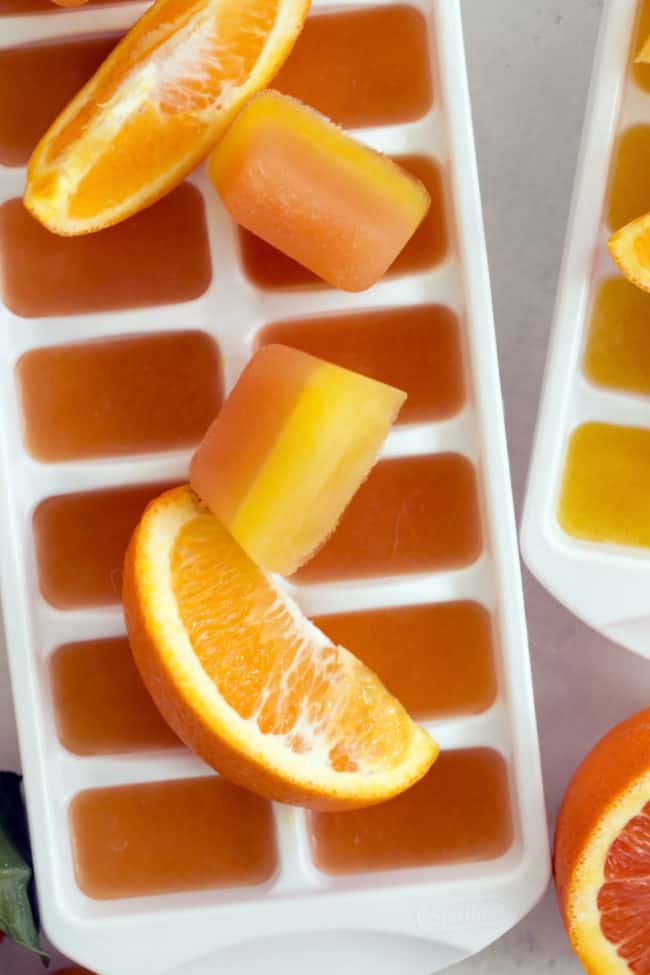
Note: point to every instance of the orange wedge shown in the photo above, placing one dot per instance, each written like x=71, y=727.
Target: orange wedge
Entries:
x=156, y=107
x=247, y=682
x=630, y=248
x=643, y=57
x=602, y=853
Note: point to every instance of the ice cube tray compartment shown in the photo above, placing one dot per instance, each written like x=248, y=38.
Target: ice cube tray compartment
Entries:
x=602, y=582
x=429, y=904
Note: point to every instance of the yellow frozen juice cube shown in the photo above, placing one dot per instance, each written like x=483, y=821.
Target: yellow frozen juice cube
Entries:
x=289, y=175
x=291, y=445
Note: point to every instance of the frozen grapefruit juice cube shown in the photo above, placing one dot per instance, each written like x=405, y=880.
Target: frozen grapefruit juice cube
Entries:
x=291, y=445
x=270, y=268
x=293, y=178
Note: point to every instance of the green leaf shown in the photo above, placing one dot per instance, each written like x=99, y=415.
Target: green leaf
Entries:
x=16, y=916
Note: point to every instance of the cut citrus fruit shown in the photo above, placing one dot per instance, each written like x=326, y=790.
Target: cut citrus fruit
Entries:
x=602, y=853
x=247, y=682
x=643, y=57
x=155, y=108
x=280, y=478
x=630, y=248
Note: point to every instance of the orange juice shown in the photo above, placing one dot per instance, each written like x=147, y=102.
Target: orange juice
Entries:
x=629, y=189
x=416, y=349
x=119, y=396
x=436, y=659
x=37, y=81
x=617, y=354
x=605, y=494
x=158, y=257
x=161, y=837
x=641, y=72
x=100, y=703
x=413, y=514
x=270, y=268
x=459, y=812
x=81, y=540
x=362, y=67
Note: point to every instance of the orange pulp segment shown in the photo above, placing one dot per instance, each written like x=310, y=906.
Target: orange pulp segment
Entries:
x=155, y=107
x=630, y=248
x=291, y=445
x=296, y=180
x=247, y=682
x=160, y=837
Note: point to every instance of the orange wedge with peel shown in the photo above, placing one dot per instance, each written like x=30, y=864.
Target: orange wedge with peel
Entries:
x=247, y=682
x=630, y=248
x=602, y=853
x=156, y=107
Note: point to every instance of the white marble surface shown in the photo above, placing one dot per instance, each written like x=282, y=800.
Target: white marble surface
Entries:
x=529, y=63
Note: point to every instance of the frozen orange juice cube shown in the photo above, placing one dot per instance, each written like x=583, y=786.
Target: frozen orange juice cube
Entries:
x=296, y=180
x=290, y=447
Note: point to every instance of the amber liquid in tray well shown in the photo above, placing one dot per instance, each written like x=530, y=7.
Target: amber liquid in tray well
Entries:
x=81, y=539
x=164, y=837
x=117, y=395
x=617, y=353
x=101, y=705
x=417, y=349
x=437, y=659
x=159, y=256
x=362, y=67
x=605, y=494
x=460, y=811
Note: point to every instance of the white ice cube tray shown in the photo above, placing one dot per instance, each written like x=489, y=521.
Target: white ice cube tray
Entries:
x=411, y=921
x=606, y=585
